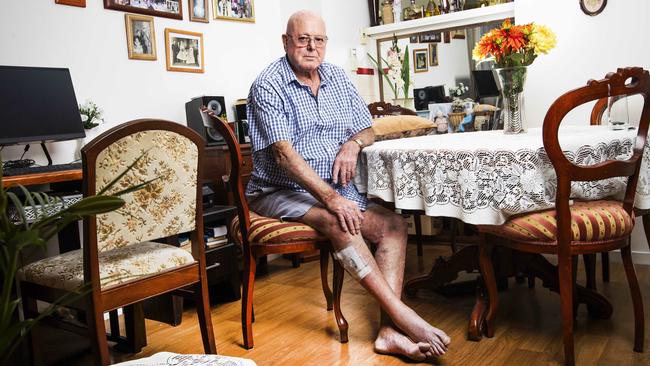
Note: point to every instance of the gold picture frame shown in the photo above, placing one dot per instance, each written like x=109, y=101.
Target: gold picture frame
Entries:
x=184, y=51
x=198, y=10
x=140, y=37
x=420, y=63
x=433, y=54
x=237, y=10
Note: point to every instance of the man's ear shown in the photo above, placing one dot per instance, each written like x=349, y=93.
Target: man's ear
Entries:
x=285, y=39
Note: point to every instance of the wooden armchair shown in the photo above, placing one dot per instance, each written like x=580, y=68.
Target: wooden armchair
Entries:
x=119, y=259
x=562, y=231
x=260, y=236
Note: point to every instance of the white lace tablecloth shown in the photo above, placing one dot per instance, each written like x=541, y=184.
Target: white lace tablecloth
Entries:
x=485, y=177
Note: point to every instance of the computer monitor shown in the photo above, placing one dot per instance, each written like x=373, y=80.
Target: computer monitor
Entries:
x=485, y=84
x=37, y=104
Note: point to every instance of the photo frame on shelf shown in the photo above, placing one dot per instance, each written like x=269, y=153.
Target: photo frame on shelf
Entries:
x=198, y=10
x=433, y=54
x=140, y=37
x=237, y=10
x=167, y=9
x=79, y=3
x=420, y=63
x=430, y=37
x=446, y=37
x=184, y=51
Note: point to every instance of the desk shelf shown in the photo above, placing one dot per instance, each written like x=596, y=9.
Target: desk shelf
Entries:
x=458, y=19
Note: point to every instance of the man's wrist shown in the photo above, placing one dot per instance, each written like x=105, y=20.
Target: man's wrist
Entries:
x=359, y=142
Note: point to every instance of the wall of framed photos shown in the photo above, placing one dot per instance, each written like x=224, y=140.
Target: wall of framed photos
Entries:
x=92, y=43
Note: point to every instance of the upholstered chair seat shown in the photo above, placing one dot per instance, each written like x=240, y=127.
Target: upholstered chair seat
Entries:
x=590, y=221
x=116, y=266
x=266, y=230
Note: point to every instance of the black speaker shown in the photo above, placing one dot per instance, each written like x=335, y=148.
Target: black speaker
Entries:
x=196, y=122
x=429, y=94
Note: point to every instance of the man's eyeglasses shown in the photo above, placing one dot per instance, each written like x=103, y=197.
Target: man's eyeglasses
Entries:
x=304, y=40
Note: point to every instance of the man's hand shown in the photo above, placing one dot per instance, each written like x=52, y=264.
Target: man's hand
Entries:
x=345, y=163
x=348, y=213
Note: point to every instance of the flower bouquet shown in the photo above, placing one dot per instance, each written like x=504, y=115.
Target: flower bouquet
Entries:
x=91, y=114
x=512, y=48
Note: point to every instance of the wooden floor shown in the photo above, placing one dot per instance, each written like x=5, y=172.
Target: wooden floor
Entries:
x=293, y=328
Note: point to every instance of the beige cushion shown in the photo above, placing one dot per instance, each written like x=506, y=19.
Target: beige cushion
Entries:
x=485, y=108
x=391, y=127
x=116, y=266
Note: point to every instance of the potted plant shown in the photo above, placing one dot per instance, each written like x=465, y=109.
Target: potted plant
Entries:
x=91, y=117
x=17, y=235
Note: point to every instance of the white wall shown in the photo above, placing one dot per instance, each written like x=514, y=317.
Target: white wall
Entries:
x=91, y=42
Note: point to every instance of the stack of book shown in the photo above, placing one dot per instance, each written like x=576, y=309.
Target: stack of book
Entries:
x=216, y=236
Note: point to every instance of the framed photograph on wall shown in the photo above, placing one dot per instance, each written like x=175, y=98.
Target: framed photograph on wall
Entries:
x=140, y=37
x=184, y=50
x=433, y=54
x=413, y=39
x=239, y=10
x=420, y=60
x=79, y=3
x=199, y=11
x=161, y=8
x=430, y=37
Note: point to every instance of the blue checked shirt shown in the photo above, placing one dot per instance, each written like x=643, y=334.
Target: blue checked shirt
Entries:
x=280, y=108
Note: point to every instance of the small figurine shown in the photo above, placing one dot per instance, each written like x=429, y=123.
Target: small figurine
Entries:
x=442, y=122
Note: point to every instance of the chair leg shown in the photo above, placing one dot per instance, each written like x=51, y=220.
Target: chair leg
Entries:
x=417, y=220
x=637, y=300
x=30, y=311
x=604, y=258
x=202, y=300
x=324, y=261
x=97, y=331
x=565, y=272
x=454, y=229
x=590, y=269
x=338, y=287
x=250, y=265
x=487, y=271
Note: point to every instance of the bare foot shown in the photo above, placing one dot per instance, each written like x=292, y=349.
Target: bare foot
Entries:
x=420, y=331
x=390, y=342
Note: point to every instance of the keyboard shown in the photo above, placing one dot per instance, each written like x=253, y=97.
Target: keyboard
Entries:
x=41, y=169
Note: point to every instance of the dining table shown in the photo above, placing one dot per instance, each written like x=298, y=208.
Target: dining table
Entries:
x=485, y=177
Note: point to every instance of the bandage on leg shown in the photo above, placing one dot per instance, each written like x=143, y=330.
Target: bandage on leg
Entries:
x=353, y=263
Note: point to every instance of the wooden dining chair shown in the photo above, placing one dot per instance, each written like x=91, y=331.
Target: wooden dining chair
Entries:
x=261, y=236
x=119, y=260
x=581, y=227
x=590, y=260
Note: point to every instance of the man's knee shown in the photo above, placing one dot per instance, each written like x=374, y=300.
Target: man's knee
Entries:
x=327, y=224
x=387, y=224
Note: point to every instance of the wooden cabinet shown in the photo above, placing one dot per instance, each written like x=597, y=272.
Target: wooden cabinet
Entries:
x=217, y=164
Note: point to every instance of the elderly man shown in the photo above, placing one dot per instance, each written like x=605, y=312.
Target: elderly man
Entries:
x=307, y=126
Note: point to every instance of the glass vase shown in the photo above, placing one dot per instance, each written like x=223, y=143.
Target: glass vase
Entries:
x=512, y=91
x=408, y=103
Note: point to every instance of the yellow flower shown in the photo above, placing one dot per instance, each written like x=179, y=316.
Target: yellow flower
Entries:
x=542, y=39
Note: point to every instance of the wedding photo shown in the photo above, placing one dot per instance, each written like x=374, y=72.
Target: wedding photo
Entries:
x=140, y=37
x=184, y=50
x=199, y=11
x=239, y=10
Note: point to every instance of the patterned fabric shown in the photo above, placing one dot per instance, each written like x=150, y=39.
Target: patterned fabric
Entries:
x=116, y=266
x=590, y=221
x=272, y=231
x=485, y=177
x=167, y=206
x=168, y=358
x=281, y=108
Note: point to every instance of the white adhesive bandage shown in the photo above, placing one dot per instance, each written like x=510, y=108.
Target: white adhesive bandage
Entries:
x=353, y=263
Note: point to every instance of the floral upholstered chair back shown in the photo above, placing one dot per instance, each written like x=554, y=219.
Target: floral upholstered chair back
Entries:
x=165, y=207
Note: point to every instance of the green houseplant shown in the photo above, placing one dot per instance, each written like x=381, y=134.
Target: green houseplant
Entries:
x=17, y=235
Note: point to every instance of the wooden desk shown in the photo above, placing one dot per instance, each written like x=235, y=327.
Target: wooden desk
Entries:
x=43, y=178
